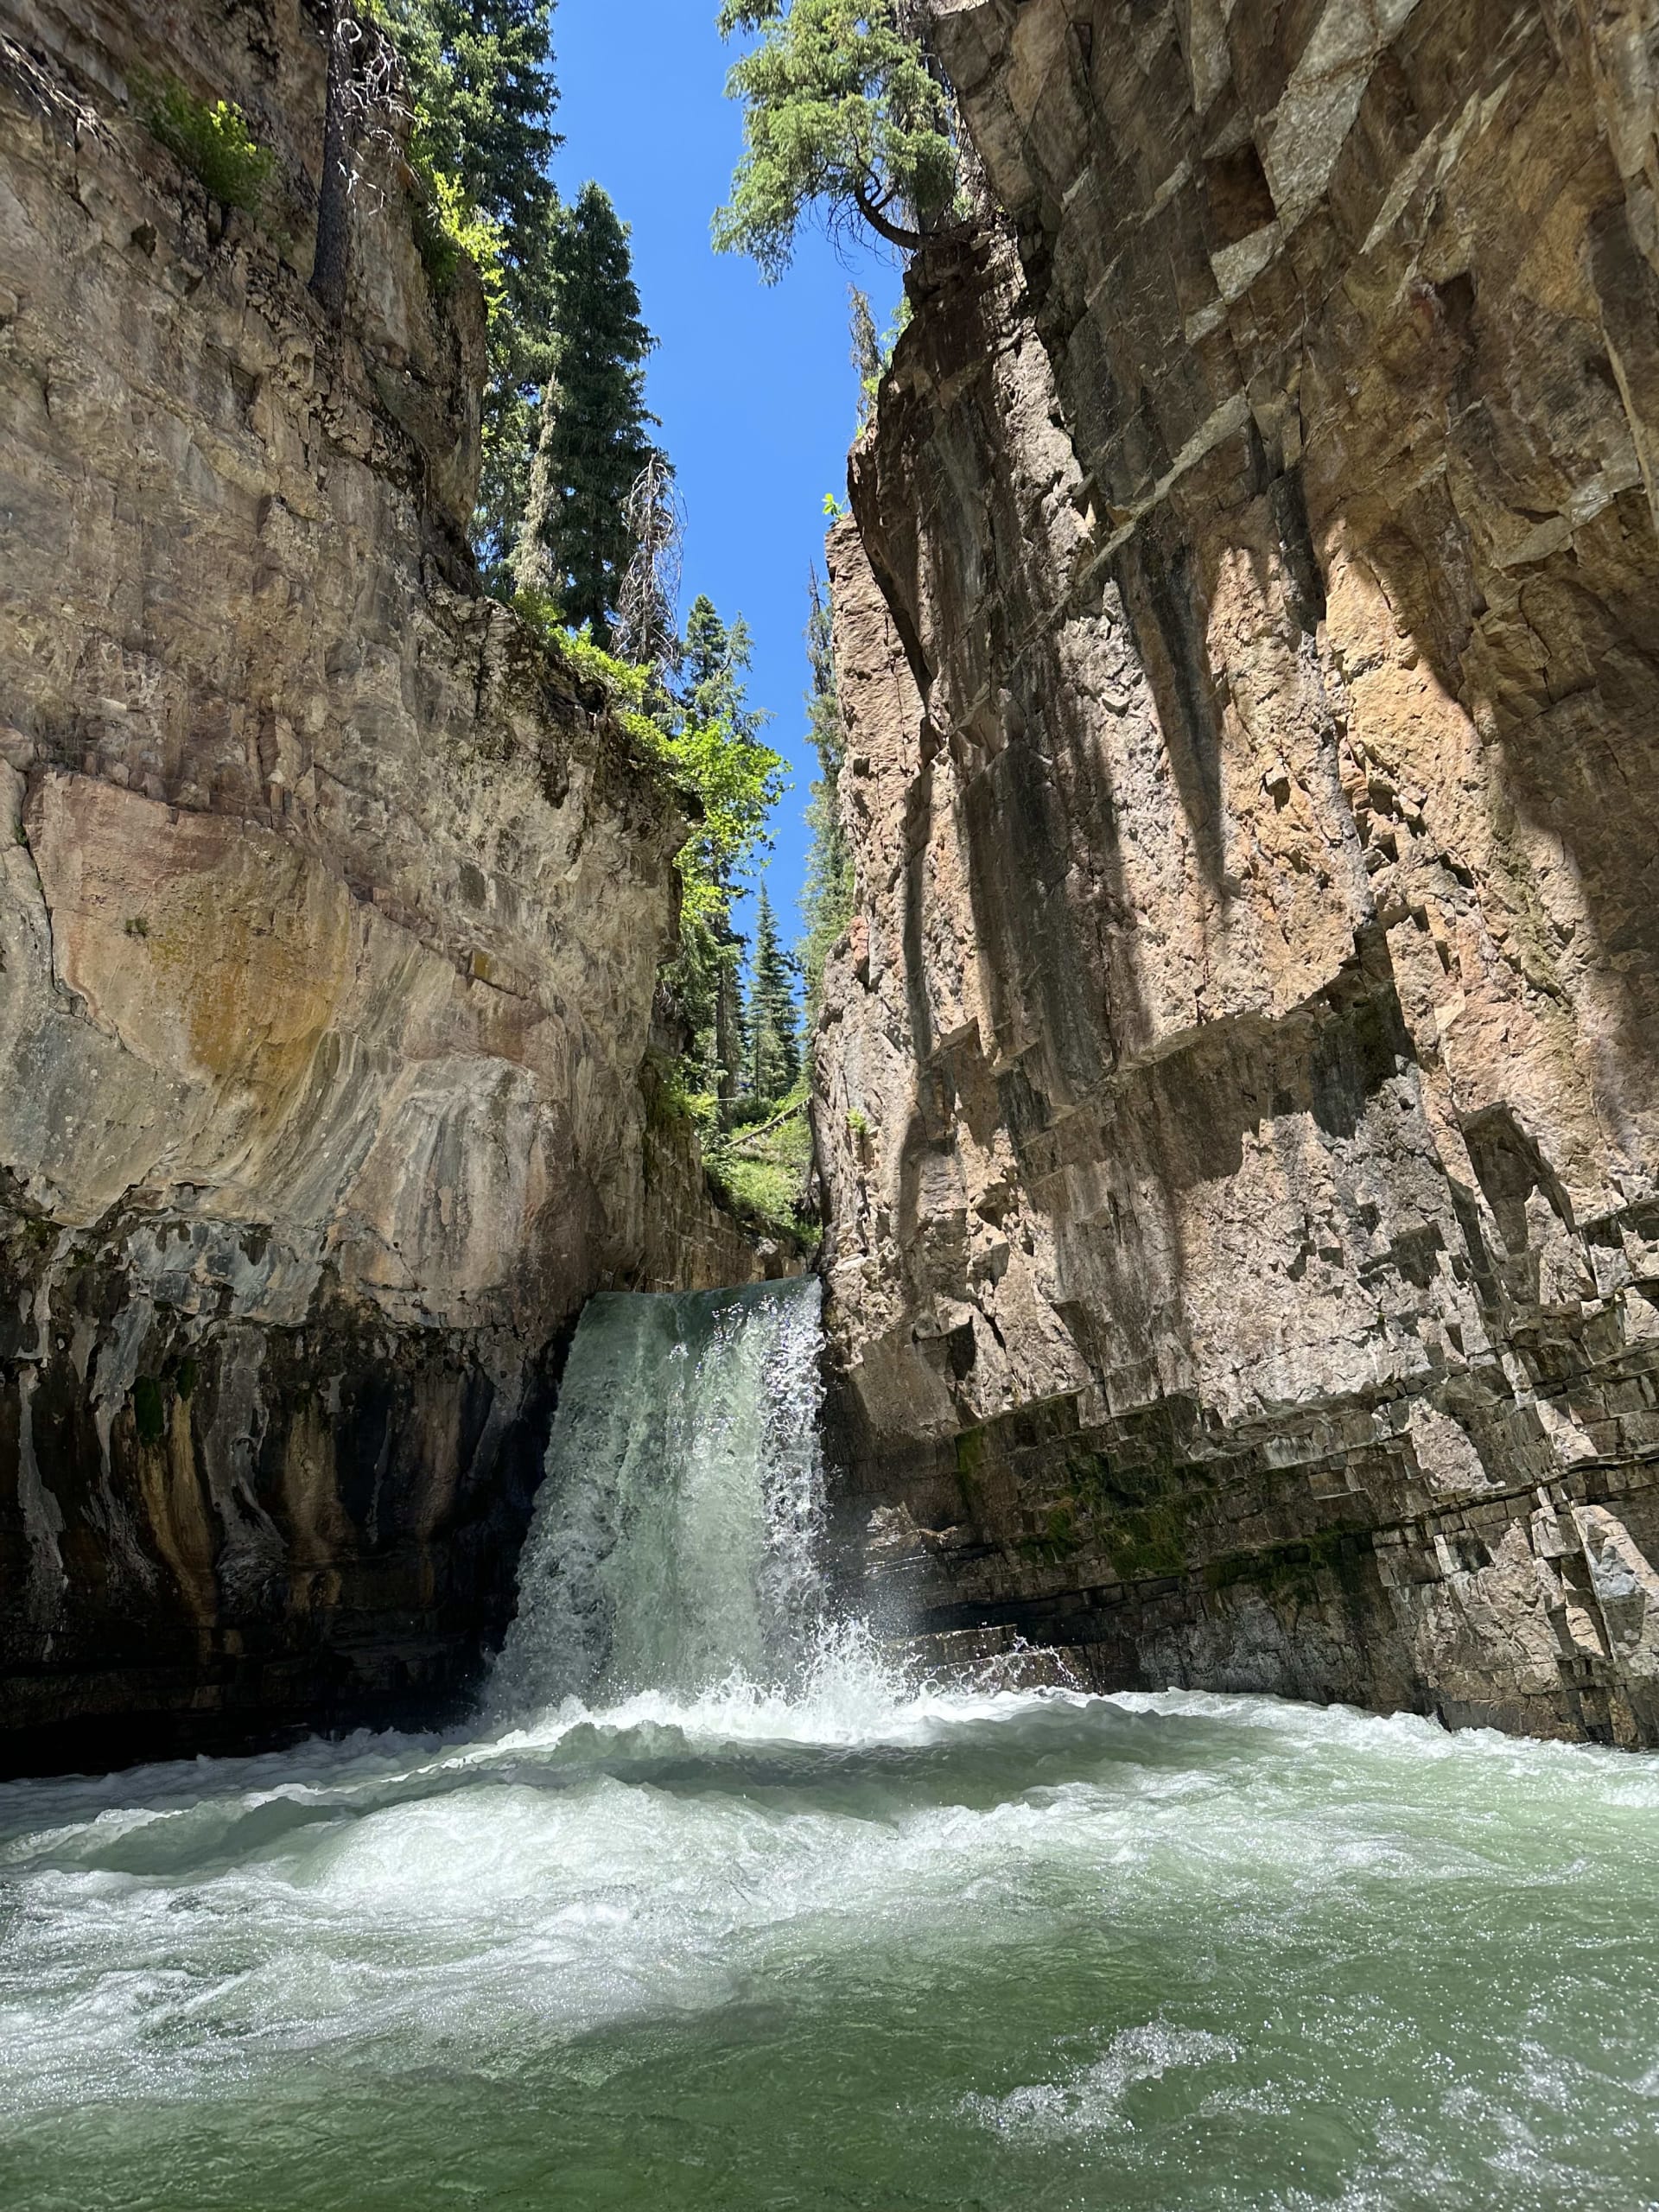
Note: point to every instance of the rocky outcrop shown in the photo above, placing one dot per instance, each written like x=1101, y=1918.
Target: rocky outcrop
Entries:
x=1237, y=1102
x=331, y=908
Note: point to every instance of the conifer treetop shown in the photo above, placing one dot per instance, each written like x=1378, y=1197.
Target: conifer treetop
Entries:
x=843, y=113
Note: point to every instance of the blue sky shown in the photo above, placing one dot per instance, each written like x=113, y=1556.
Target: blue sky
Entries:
x=753, y=384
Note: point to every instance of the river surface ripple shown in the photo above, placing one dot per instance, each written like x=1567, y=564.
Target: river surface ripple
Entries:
x=865, y=1946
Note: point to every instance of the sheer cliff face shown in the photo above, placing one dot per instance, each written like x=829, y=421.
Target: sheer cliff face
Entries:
x=330, y=916
x=1237, y=1096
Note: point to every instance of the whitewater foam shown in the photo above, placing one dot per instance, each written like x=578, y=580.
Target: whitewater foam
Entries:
x=674, y=1542
x=721, y=1906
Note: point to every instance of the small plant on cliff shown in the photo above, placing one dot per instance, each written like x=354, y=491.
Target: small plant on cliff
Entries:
x=845, y=113
x=448, y=224
x=212, y=141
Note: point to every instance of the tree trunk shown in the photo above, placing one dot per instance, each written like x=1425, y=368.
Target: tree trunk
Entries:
x=728, y=1028
x=331, y=261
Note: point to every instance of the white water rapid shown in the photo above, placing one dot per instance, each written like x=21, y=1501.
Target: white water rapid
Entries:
x=675, y=1540
x=716, y=1912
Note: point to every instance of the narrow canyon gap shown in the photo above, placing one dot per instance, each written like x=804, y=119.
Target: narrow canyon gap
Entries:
x=516, y=1689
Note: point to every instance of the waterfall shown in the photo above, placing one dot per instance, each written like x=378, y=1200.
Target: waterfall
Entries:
x=675, y=1540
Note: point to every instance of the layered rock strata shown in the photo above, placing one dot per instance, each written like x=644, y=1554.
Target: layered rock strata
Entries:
x=1237, y=1102
x=331, y=908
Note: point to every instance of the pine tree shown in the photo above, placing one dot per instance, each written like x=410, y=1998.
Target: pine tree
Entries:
x=739, y=780
x=480, y=72
x=844, y=111
x=712, y=662
x=867, y=352
x=774, y=1039
x=575, y=546
x=480, y=79
x=705, y=989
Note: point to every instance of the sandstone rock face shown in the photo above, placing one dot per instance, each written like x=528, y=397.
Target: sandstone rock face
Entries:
x=331, y=910
x=1238, y=1101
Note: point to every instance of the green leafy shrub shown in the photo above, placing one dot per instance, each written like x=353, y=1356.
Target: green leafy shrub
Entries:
x=213, y=142
x=762, y=1175
x=717, y=757
x=448, y=225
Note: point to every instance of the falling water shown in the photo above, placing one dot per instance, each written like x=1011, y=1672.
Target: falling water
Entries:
x=675, y=1538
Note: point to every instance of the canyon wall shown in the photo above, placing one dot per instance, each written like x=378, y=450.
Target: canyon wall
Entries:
x=1236, y=1094
x=331, y=909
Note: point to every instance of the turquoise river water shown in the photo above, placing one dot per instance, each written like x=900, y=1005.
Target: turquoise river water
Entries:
x=781, y=1929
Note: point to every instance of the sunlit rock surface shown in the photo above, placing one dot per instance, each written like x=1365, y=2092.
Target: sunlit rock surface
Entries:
x=1237, y=1092
x=330, y=912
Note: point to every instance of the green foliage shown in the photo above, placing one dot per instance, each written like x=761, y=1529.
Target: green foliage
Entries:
x=701, y=731
x=867, y=351
x=447, y=226
x=763, y=1175
x=773, y=1024
x=213, y=142
x=575, y=544
x=843, y=113
x=480, y=82
x=827, y=901
x=705, y=984
x=871, y=354
x=738, y=778
x=480, y=74
x=701, y=727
